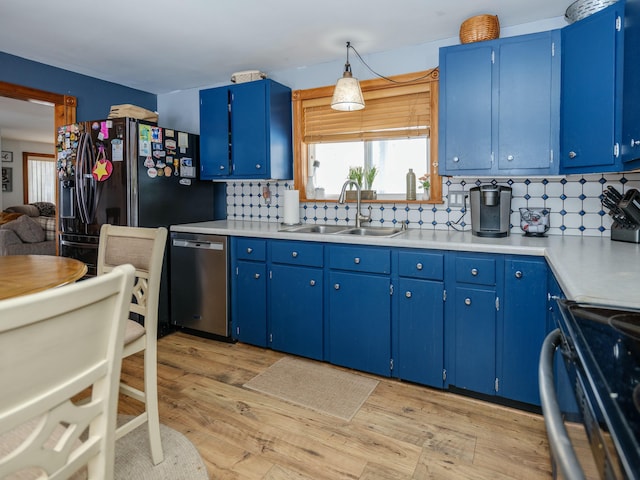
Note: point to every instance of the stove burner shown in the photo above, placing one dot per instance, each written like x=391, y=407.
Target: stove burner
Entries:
x=627, y=324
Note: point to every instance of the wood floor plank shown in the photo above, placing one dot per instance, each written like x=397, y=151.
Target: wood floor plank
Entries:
x=402, y=431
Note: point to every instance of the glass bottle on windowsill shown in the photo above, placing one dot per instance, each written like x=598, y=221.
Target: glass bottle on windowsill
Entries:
x=310, y=189
x=411, y=185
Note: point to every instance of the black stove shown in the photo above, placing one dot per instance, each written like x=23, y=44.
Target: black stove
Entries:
x=601, y=348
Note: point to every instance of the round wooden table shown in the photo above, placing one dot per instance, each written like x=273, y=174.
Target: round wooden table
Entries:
x=23, y=274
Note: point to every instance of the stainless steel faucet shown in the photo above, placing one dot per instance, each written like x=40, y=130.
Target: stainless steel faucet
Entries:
x=359, y=217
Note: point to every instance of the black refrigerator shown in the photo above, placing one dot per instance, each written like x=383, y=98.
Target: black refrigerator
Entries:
x=124, y=171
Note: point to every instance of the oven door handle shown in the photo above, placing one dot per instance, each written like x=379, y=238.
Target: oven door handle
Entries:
x=559, y=440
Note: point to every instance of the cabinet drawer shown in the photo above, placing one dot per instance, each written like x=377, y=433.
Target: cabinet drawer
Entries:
x=421, y=265
x=476, y=270
x=251, y=249
x=360, y=259
x=297, y=253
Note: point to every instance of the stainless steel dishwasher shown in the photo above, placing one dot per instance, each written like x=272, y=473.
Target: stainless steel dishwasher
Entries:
x=199, y=284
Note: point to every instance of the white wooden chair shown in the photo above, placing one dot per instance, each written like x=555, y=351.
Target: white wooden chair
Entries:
x=54, y=345
x=144, y=249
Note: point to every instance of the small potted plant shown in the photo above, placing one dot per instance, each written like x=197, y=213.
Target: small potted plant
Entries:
x=364, y=179
x=424, y=184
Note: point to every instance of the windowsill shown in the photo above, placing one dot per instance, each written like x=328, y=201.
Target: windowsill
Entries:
x=379, y=200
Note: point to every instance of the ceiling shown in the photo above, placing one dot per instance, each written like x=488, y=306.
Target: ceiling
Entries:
x=164, y=45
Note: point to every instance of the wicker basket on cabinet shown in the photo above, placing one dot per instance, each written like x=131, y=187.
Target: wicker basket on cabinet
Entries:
x=479, y=29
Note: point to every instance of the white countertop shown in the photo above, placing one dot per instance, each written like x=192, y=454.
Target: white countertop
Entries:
x=589, y=269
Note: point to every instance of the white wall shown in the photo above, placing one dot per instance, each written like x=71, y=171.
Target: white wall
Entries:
x=16, y=197
x=180, y=109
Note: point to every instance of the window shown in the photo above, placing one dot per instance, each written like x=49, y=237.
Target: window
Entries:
x=397, y=130
x=39, y=177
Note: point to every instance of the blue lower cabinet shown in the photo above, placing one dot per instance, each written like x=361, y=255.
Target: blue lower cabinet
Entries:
x=524, y=328
x=249, y=315
x=359, y=321
x=418, y=329
x=295, y=310
x=472, y=343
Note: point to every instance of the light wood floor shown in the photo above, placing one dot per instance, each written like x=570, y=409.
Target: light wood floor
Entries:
x=403, y=431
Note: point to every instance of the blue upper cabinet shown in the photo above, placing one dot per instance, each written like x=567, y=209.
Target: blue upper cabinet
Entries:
x=499, y=107
x=600, y=118
x=245, y=131
x=465, y=108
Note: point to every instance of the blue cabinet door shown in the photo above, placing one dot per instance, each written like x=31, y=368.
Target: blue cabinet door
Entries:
x=473, y=342
x=249, y=129
x=528, y=86
x=591, y=67
x=524, y=328
x=215, y=162
x=465, y=108
x=295, y=310
x=249, y=313
x=419, y=326
x=359, y=321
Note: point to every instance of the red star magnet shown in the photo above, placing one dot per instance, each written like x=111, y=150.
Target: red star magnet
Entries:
x=102, y=170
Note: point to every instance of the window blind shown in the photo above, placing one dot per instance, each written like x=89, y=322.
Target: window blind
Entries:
x=396, y=112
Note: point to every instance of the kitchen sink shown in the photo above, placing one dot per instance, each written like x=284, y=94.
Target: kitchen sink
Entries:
x=315, y=229
x=374, y=231
x=345, y=230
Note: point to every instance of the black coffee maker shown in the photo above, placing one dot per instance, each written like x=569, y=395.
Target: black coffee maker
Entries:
x=490, y=210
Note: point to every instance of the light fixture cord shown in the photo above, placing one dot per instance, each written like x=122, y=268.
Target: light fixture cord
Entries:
x=376, y=73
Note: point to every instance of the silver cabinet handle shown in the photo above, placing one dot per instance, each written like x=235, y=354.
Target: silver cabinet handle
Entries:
x=518, y=274
x=294, y=254
x=456, y=159
x=474, y=272
x=418, y=266
x=407, y=294
x=249, y=250
x=258, y=166
x=312, y=283
x=256, y=276
x=356, y=260
x=635, y=143
x=336, y=286
x=510, y=158
x=573, y=154
x=221, y=167
x=467, y=301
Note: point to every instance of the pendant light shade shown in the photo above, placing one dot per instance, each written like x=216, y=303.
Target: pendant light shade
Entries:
x=347, y=95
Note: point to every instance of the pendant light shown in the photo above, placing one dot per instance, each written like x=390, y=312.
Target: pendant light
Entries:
x=347, y=95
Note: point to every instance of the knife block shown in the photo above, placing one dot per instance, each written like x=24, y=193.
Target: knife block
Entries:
x=624, y=234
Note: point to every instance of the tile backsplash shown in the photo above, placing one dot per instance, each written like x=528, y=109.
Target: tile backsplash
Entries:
x=574, y=202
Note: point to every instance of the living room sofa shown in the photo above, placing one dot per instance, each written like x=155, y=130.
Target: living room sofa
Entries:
x=28, y=229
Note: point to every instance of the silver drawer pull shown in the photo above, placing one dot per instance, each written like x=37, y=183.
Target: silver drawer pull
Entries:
x=419, y=266
x=456, y=159
x=474, y=272
x=336, y=286
x=221, y=167
x=518, y=274
x=312, y=283
x=573, y=154
x=256, y=276
x=510, y=158
x=258, y=166
x=249, y=250
x=356, y=260
x=407, y=294
x=294, y=254
x=467, y=301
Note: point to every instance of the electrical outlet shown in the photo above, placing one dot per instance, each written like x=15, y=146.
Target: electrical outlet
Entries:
x=457, y=198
